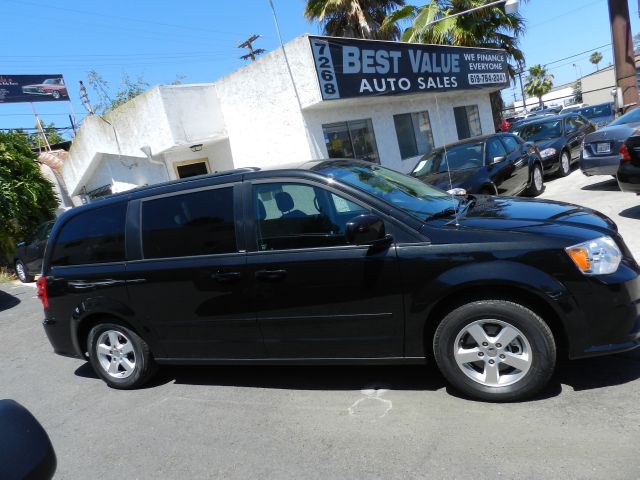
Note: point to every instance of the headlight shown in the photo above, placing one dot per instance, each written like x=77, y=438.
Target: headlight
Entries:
x=600, y=256
x=547, y=152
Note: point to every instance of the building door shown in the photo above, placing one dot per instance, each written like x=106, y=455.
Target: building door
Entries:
x=191, y=168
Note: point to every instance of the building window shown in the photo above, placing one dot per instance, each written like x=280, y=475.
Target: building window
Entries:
x=467, y=121
x=191, y=168
x=414, y=134
x=353, y=139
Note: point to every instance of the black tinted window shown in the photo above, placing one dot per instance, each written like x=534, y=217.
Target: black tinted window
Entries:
x=300, y=216
x=199, y=223
x=94, y=236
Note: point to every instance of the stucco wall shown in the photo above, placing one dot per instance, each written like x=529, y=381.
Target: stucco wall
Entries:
x=597, y=87
x=260, y=108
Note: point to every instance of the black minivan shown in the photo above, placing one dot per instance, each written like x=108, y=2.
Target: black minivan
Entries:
x=337, y=261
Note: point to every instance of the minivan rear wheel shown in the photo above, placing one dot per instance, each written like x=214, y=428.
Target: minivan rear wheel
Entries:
x=120, y=356
x=495, y=350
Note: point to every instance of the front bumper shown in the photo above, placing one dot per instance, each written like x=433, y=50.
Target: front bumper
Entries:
x=551, y=164
x=610, y=307
x=628, y=177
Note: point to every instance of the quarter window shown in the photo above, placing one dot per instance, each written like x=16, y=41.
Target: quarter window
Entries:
x=467, y=121
x=291, y=215
x=354, y=139
x=94, y=236
x=414, y=134
x=198, y=223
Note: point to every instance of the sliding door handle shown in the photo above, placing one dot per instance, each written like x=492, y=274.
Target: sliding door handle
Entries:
x=270, y=275
x=226, y=277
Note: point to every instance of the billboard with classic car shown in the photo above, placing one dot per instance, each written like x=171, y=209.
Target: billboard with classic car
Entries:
x=32, y=88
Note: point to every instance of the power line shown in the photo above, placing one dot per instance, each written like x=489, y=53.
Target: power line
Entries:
x=578, y=54
x=556, y=16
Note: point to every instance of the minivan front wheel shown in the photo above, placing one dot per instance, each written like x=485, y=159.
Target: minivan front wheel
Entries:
x=495, y=350
x=23, y=273
x=119, y=356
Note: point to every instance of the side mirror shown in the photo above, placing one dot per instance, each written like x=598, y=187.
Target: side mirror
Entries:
x=25, y=448
x=497, y=160
x=366, y=229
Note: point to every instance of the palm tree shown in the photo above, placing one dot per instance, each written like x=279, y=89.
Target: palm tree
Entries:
x=354, y=18
x=596, y=58
x=538, y=83
x=489, y=27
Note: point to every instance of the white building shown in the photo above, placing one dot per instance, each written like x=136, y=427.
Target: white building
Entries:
x=262, y=114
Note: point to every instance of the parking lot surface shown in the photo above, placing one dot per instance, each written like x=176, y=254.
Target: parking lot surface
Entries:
x=329, y=422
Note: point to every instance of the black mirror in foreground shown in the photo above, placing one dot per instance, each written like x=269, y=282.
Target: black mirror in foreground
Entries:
x=25, y=449
x=366, y=230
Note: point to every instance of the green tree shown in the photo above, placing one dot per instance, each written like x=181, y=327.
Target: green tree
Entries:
x=577, y=92
x=354, y=18
x=26, y=197
x=51, y=133
x=489, y=27
x=538, y=83
x=596, y=58
x=128, y=90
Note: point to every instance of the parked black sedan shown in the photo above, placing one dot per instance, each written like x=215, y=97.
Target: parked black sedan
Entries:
x=27, y=258
x=558, y=138
x=628, y=173
x=491, y=164
x=601, y=152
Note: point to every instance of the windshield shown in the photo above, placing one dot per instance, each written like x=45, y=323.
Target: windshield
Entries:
x=597, y=111
x=51, y=81
x=459, y=157
x=535, y=132
x=630, y=117
x=404, y=192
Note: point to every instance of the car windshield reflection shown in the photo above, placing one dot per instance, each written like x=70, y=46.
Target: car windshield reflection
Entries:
x=406, y=193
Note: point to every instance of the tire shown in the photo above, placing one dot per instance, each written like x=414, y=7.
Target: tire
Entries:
x=537, y=182
x=564, y=168
x=487, y=191
x=55, y=94
x=111, y=364
x=22, y=272
x=494, y=376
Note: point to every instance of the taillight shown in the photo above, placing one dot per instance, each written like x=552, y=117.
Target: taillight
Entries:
x=624, y=152
x=41, y=284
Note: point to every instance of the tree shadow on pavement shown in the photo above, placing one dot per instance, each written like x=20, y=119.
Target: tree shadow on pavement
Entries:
x=7, y=301
x=610, y=185
x=631, y=212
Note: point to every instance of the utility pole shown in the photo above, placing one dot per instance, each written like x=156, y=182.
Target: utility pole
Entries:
x=624, y=59
x=248, y=44
x=519, y=72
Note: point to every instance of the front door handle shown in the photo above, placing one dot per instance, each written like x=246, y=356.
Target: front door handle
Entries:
x=270, y=275
x=226, y=277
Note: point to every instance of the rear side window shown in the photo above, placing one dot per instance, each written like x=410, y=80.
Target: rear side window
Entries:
x=94, y=236
x=199, y=223
x=511, y=143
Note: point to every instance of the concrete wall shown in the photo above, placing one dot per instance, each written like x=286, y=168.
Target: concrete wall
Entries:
x=381, y=112
x=261, y=111
x=163, y=118
x=597, y=87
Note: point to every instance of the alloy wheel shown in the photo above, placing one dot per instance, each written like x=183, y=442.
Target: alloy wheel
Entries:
x=21, y=271
x=537, y=178
x=565, y=163
x=116, y=354
x=493, y=353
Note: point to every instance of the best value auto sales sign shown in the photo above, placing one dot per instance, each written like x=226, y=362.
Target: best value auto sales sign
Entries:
x=350, y=68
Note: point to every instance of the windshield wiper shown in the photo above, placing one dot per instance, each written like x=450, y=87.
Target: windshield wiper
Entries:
x=447, y=212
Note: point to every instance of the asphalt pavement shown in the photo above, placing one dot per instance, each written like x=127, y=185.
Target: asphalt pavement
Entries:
x=328, y=422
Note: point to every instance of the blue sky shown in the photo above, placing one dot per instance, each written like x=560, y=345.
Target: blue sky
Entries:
x=197, y=39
